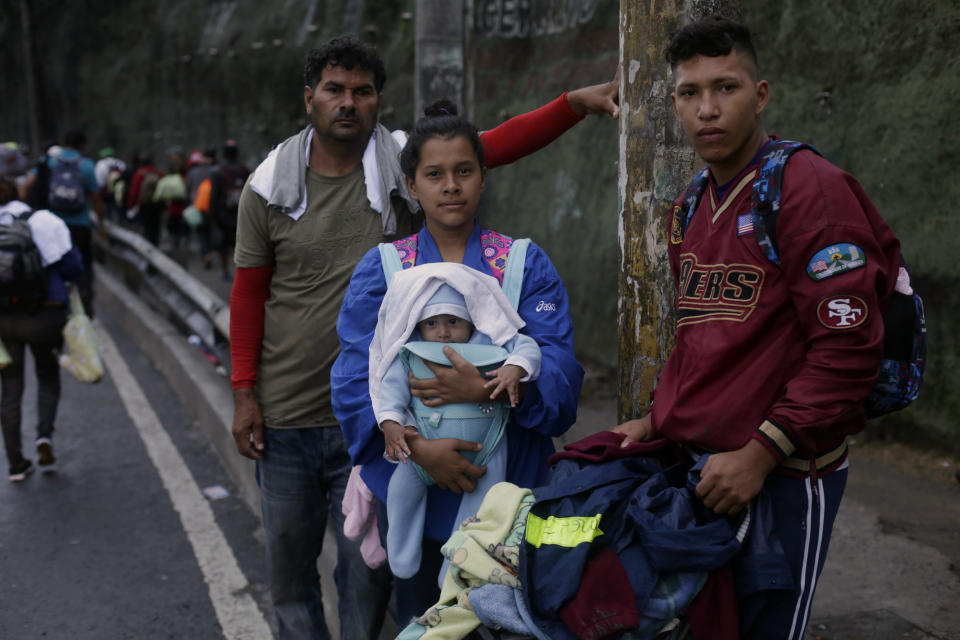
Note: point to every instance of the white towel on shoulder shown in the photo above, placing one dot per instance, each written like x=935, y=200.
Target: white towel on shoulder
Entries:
x=50, y=232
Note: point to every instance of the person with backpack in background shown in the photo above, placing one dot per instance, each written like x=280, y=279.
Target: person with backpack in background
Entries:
x=234, y=176
x=107, y=169
x=35, y=187
x=140, y=202
x=14, y=162
x=37, y=259
x=204, y=189
x=121, y=188
x=72, y=193
x=773, y=359
x=177, y=229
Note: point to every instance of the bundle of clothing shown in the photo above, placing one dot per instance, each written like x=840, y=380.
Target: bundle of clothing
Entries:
x=617, y=544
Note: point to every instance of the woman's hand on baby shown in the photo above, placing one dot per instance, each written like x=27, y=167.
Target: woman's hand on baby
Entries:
x=395, y=441
x=441, y=459
x=506, y=378
x=462, y=382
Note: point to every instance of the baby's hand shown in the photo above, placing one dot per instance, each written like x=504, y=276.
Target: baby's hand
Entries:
x=506, y=377
x=395, y=441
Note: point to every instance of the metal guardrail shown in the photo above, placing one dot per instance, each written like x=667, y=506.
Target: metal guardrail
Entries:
x=169, y=289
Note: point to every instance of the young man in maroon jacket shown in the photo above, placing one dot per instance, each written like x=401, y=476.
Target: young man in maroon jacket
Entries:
x=771, y=362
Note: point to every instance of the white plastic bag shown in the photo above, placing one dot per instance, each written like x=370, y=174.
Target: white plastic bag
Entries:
x=192, y=216
x=80, y=356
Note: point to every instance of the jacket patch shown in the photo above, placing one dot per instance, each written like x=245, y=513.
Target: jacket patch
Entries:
x=834, y=260
x=842, y=312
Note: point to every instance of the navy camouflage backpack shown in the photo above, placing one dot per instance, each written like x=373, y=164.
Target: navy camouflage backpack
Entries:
x=66, y=193
x=904, y=323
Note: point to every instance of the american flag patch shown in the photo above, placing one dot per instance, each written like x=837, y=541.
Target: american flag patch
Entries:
x=819, y=265
x=745, y=224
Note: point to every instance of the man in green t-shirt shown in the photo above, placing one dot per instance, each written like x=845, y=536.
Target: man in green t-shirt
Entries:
x=304, y=221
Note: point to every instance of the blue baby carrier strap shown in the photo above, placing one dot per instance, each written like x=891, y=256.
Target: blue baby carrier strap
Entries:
x=904, y=321
x=493, y=416
x=390, y=261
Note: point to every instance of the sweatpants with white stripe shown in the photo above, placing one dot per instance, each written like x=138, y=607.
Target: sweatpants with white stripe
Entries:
x=804, y=511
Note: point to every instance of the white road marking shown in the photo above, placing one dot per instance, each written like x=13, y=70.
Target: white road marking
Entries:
x=238, y=614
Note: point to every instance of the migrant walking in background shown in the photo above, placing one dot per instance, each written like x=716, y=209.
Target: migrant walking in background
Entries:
x=14, y=163
x=234, y=175
x=108, y=170
x=72, y=193
x=778, y=342
x=143, y=208
x=306, y=217
x=204, y=191
x=171, y=199
x=37, y=260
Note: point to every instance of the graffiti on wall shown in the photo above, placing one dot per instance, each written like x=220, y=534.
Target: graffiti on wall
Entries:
x=523, y=18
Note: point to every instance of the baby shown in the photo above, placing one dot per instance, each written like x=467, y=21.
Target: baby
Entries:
x=445, y=319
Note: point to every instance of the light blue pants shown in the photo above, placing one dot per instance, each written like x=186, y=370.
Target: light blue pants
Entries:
x=407, y=509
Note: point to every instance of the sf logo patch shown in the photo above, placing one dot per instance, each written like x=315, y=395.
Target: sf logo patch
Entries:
x=842, y=312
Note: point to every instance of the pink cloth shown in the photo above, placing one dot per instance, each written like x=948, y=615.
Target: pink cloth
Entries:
x=361, y=520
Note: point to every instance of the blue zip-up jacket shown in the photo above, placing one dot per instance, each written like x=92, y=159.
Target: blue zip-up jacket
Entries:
x=549, y=406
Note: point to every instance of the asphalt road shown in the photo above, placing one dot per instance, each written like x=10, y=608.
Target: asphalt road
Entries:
x=121, y=542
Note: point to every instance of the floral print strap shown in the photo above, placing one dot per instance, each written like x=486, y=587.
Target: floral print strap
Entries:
x=407, y=249
x=495, y=248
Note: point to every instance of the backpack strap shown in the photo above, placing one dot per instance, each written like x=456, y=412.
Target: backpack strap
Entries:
x=513, y=275
x=766, y=197
x=389, y=261
x=687, y=205
x=495, y=248
x=766, y=194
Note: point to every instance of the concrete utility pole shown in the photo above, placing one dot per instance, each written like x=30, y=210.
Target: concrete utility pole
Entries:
x=439, y=57
x=655, y=165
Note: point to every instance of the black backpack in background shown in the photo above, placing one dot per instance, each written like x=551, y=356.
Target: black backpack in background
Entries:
x=23, y=281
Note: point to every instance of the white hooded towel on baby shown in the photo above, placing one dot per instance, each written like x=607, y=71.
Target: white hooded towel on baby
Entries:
x=490, y=311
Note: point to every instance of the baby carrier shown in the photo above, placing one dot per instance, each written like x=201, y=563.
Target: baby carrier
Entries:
x=486, y=422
